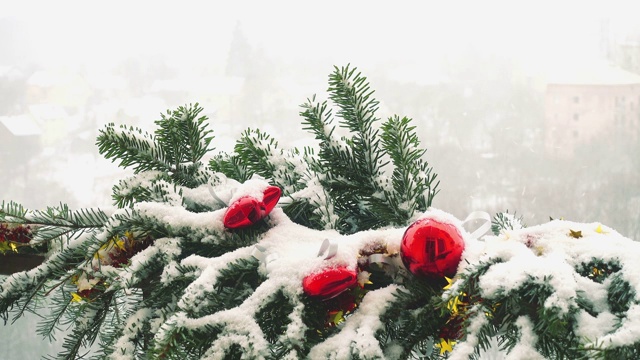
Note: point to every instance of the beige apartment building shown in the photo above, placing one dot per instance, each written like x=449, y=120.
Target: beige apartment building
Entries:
x=589, y=101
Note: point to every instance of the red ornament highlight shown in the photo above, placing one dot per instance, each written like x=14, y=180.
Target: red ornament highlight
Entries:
x=271, y=198
x=431, y=248
x=330, y=282
x=246, y=211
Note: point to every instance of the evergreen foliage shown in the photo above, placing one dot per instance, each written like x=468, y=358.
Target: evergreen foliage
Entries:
x=175, y=149
x=162, y=278
x=505, y=221
x=345, y=186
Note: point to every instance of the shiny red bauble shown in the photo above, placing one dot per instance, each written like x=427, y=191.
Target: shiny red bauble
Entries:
x=329, y=282
x=246, y=211
x=431, y=248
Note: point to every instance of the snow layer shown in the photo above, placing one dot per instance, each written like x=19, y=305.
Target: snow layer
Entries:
x=551, y=253
x=548, y=253
x=358, y=332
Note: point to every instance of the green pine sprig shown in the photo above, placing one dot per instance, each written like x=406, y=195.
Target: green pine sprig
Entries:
x=176, y=148
x=374, y=176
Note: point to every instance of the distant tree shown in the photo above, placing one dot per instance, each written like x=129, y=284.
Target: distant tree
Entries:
x=260, y=77
x=240, y=54
x=486, y=118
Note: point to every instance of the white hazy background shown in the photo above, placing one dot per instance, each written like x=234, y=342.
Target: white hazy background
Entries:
x=471, y=75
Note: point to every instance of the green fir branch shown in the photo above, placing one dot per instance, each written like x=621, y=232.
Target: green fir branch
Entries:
x=92, y=314
x=176, y=149
x=413, y=181
x=259, y=152
x=52, y=324
x=317, y=119
x=231, y=166
x=53, y=222
x=132, y=147
x=155, y=189
x=22, y=291
x=257, y=149
x=273, y=316
x=183, y=135
x=334, y=160
x=352, y=94
x=412, y=320
x=235, y=284
x=351, y=168
x=505, y=221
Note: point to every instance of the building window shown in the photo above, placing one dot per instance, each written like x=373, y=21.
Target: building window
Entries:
x=576, y=99
x=576, y=117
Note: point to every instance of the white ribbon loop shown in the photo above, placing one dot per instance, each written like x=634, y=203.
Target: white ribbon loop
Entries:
x=330, y=247
x=258, y=252
x=215, y=196
x=483, y=228
x=269, y=261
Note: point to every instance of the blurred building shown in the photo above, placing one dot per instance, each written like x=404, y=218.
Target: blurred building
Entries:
x=627, y=54
x=65, y=88
x=624, y=47
x=589, y=101
x=19, y=141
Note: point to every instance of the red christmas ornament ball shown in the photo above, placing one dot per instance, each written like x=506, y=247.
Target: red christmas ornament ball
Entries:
x=431, y=248
x=246, y=211
x=330, y=282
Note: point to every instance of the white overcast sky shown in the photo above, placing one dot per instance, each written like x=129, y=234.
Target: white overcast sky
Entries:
x=360, y=32
x=412, y=36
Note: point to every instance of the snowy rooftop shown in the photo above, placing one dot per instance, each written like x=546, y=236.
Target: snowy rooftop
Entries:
x=21, y=125
x=425, y=72
x=219, y=85
x=46, y=78
x=590, y=73
x=48, y=111
x=10, y=72
x=106, y=81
